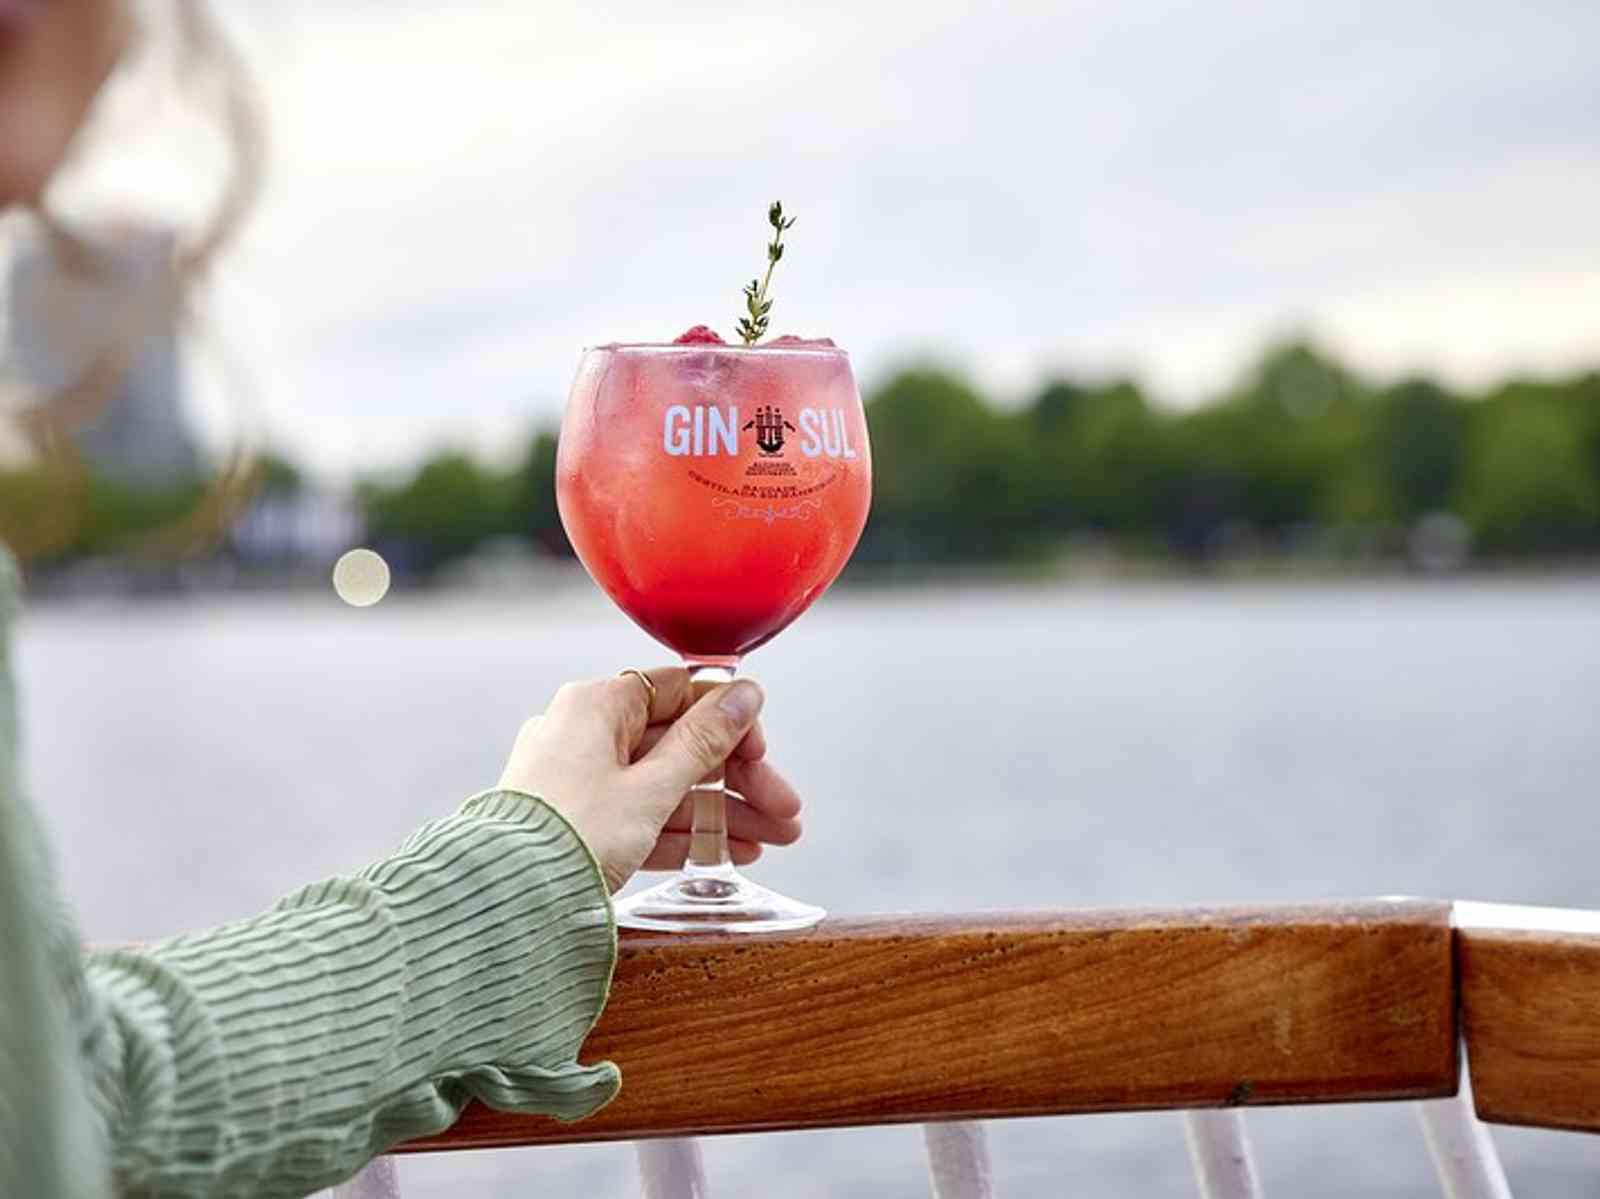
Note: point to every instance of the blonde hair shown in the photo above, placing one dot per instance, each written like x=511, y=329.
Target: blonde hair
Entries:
x=212, y=75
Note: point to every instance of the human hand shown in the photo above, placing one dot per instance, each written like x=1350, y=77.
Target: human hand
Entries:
x=618, y=763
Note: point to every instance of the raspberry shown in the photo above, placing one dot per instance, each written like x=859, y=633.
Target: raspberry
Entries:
x=700, y=335
x=789, y=339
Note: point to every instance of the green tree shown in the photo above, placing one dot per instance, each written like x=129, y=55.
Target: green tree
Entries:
x=533, y=496
x=1098, y=456
x=1284, y=449
x=949, y=473
x=1421, y=445
x=1303, y=425
x=1530, y=482
x=448, y=508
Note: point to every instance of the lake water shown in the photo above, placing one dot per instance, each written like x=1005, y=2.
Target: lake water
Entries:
x=959, y=747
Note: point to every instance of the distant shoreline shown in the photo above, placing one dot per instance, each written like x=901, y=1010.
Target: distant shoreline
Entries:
x=128, y=579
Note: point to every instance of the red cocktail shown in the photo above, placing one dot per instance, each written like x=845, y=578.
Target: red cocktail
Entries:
x=714, y=492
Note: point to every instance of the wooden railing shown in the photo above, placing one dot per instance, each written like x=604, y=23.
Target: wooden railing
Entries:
x=1530, y=1007
x=955, y=1019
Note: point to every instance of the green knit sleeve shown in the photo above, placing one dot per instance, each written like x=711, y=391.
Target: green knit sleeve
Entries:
x=275, y=1056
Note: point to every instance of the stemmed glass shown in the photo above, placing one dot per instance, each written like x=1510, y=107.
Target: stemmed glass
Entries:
x=713, y=492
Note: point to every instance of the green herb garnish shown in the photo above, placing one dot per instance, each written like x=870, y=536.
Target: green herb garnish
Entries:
x=754, y=326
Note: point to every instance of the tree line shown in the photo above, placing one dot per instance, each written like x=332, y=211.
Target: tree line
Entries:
x=1301, y=457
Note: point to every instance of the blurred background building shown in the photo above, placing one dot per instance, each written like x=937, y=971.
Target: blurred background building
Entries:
x=61, y=315
x=143, y=466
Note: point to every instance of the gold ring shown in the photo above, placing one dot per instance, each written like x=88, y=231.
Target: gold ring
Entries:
x=649, y=687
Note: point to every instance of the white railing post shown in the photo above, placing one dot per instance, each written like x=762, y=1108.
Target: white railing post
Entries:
x=670, y=1168
x=378, y=1180
x=1463, y=1152
x=1220, y=1152
x=958, y=1160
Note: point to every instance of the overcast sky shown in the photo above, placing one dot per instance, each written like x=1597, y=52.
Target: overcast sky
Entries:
x=463, y=195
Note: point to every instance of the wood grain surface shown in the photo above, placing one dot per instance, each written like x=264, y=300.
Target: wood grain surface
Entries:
x=1530, y=1006
x=889, y=1019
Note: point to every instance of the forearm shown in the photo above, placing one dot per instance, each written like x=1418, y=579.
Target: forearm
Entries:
x=274, y=1056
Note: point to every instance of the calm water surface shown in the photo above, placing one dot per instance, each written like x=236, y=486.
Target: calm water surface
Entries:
x=958, y=747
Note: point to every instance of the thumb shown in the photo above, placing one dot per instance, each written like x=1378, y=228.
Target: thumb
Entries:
x=700, y=740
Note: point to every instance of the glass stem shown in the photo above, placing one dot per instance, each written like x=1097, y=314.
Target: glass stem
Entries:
x=708, y=832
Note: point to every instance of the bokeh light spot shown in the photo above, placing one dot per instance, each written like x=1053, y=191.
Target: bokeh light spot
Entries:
x=361, y=578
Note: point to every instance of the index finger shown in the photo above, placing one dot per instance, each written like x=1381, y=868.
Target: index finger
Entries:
x=668, y=697
x=674, y=694
x=754, y=746
x=637, y=706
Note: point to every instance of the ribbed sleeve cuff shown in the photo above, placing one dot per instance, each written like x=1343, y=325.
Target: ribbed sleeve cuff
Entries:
x=281, y=1052
x=575, y=963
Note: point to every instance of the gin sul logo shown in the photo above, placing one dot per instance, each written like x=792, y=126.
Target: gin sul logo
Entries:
x=713, y=430
x=769, y=426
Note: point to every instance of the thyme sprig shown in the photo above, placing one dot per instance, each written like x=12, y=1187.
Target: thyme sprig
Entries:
x=757, y=303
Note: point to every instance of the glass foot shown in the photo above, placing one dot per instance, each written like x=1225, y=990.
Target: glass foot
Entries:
x=719, y=900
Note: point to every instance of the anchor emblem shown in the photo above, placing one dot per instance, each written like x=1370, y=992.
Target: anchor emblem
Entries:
x=769, y=426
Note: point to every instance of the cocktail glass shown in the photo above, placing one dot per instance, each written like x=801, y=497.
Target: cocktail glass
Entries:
x=714, y=492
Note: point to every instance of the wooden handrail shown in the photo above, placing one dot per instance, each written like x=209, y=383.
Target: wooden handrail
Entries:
x=1530, y=1002
x=890, y=1019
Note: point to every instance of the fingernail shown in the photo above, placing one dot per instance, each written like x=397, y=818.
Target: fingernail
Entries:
x=741, y=702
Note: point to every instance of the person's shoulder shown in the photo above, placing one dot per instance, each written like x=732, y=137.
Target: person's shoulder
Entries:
x=10, y=585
